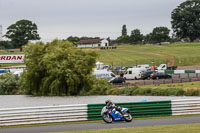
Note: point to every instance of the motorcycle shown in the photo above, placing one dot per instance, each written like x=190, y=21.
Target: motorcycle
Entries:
x=110, y=115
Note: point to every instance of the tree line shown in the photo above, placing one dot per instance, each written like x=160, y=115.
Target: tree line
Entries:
x=158, y=35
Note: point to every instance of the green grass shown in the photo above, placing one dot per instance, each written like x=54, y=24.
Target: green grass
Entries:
x=186, y=54
x=181, y=128
x=183, y=54
x=125, y=58
x=189, y=85
x=5, y=65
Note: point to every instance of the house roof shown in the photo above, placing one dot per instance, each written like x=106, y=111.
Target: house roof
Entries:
x=90, y=41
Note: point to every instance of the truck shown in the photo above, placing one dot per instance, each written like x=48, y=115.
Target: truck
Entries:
x=165, y=67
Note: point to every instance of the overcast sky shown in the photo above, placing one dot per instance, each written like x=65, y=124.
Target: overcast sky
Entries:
x=103, y=18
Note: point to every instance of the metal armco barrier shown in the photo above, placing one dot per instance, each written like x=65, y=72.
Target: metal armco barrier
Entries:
x=48, y=114
x=81, y=112
x=186, y=106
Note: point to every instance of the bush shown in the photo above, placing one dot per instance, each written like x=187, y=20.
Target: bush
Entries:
x=192, y=92
x=57, y=68
x=100, y=87
x=10, y=84
x=155, y=92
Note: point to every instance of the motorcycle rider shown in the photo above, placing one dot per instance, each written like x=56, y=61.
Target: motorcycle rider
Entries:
x=111, y=105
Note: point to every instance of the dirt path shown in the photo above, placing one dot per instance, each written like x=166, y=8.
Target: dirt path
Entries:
x=171, y=59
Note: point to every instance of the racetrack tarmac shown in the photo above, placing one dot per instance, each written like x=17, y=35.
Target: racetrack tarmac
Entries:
x=102, y=125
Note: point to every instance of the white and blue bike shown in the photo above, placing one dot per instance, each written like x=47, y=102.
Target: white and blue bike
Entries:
x=110, y=115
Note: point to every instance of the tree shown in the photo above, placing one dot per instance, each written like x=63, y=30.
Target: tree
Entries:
x=21, y=32
x=72, y=39
x=186, y=20
x=123, y=39
x=160, y=34
x=136, y=36
x=6, y=45
x=148, y=38
x=124, y=30
x=58, y=68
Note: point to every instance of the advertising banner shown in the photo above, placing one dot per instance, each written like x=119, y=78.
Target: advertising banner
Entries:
x=7, y=59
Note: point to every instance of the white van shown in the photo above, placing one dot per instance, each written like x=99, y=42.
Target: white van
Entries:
x=103, y=74
x=145, y=66
x=162, y=67
x=134, y=73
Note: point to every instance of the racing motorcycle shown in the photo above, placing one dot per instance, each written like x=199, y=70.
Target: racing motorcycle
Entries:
x=110, y=115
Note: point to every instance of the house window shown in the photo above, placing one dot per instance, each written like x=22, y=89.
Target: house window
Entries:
x=99, y=45
x=106, y=44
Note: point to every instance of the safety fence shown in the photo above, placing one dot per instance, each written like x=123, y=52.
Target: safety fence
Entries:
x=83, y=112
x=186, y=106
x=47, y=114
x=137, y=109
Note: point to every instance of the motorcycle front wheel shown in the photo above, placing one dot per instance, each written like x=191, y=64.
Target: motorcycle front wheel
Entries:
x=107, y=118
x=128, y=117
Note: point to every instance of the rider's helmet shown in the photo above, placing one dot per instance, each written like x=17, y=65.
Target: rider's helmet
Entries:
x=108, y=102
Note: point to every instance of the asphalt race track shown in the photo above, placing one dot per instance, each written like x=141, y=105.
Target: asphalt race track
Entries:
x=102, y=125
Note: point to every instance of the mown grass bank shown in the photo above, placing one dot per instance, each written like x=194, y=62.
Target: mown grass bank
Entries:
x=128, y=55
x=186, y=54
x=182, y=128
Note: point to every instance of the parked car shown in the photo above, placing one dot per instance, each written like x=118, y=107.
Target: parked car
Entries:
x=116, y=80
x=156, y=75
x=146, y=75
x=118, y=70
x=107, y=67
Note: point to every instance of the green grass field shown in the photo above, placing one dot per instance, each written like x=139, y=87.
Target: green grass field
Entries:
x=187, y=54
x=129, y=55
x=182, y=128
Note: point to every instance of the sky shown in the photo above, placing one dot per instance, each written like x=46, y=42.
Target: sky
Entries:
x=102, y=18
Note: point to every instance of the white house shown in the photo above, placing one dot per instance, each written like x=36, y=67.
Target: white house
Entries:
x=93, y=43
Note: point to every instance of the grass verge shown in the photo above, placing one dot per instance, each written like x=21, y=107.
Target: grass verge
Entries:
x=185, y=86
x=182, y=128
